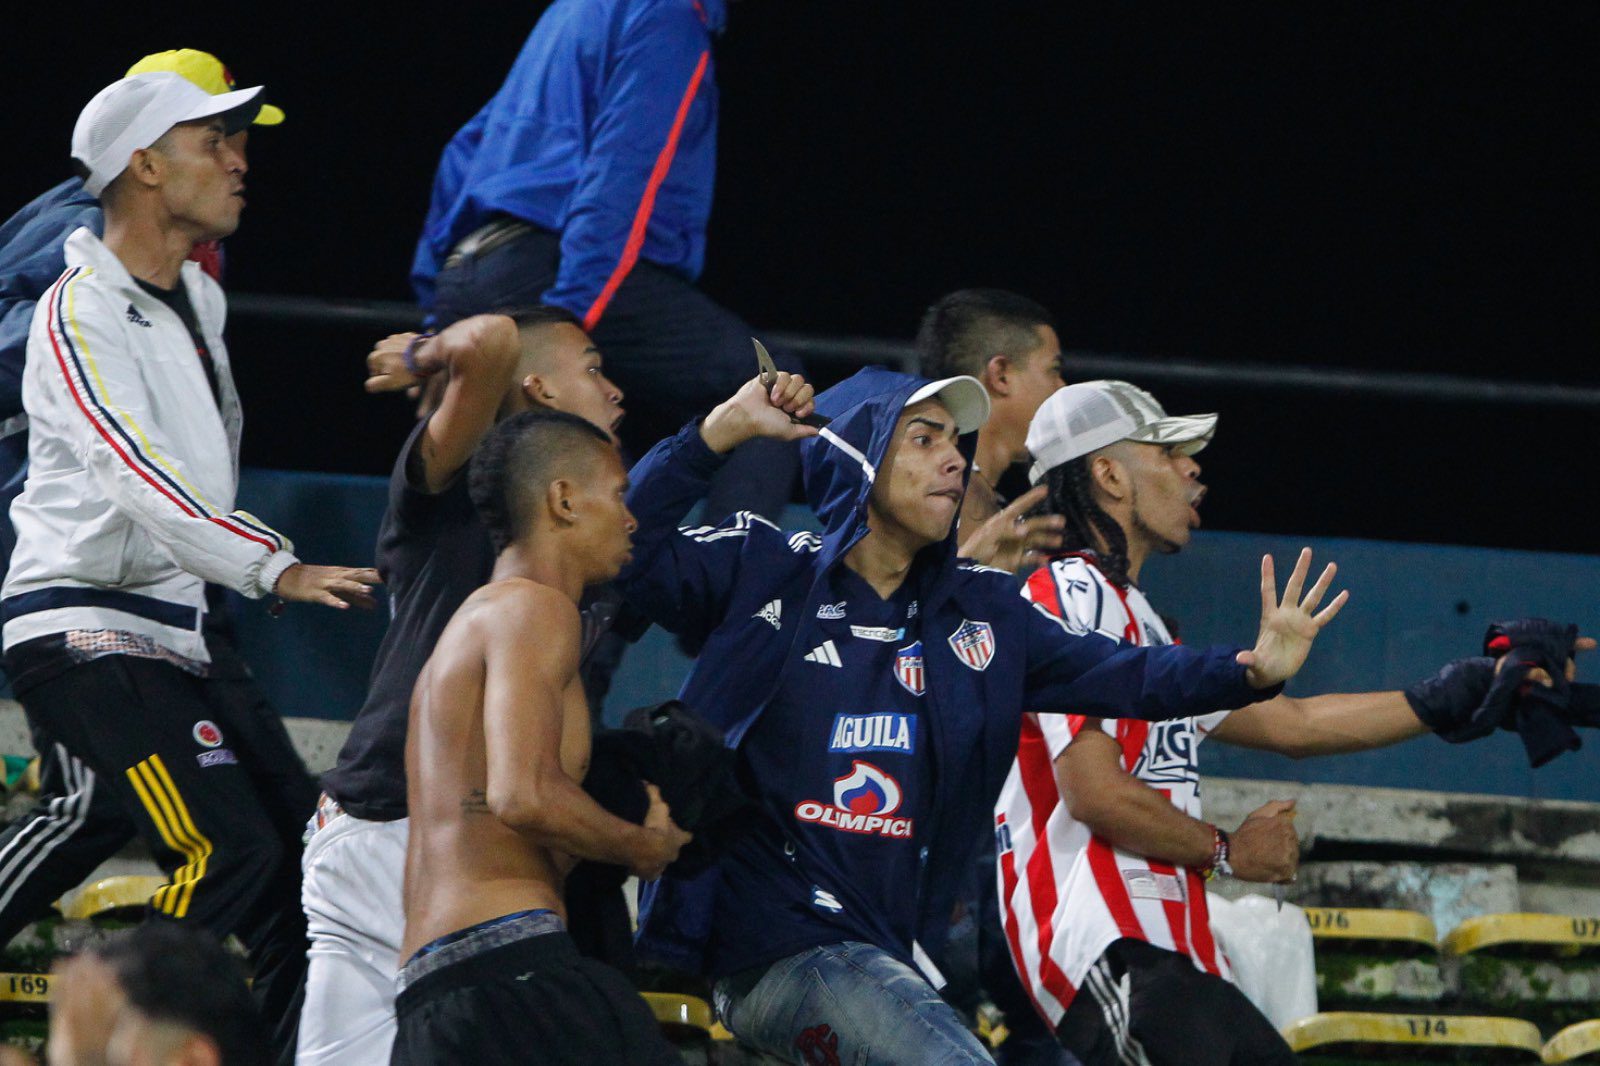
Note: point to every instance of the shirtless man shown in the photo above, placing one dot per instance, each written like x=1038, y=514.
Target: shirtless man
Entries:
x=495, y=755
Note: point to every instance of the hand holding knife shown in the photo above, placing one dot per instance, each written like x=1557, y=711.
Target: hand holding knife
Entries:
x=769, y=377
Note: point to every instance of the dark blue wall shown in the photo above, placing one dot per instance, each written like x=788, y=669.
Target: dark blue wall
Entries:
x=1412, y=607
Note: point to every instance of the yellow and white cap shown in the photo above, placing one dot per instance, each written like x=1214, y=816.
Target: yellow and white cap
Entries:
x=206, y=71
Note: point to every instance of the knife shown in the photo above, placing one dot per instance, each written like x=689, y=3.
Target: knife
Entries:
x=769, y=378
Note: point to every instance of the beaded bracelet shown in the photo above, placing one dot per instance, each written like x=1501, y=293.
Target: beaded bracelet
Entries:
x=409, y=356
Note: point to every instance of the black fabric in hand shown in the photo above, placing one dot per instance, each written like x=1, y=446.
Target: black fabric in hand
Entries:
x=1539, y=712
x=1536, y=641
x=698, y=778
x=683, y=756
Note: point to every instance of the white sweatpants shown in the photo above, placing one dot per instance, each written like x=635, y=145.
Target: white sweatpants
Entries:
x=354, y=872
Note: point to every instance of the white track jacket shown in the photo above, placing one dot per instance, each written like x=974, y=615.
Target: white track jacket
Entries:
x=132, y=468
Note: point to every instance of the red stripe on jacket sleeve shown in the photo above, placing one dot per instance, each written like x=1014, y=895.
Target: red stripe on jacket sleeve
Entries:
x=72, y=388
x=647, y=202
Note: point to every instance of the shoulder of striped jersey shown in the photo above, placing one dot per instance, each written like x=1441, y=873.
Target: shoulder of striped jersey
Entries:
x=980, y=568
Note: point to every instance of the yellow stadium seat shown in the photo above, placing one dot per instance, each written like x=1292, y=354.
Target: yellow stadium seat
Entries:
x=110, y=894
x=29, y=988
x=1574, y=1043
x=1354, y=926
x=1565, y=936
x=680, y=1016
x=1406, y=1035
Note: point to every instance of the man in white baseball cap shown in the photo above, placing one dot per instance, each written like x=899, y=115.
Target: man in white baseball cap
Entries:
x=129, y=510
x=1094, y=414
x=77, y=824
x=133, y=114
x=1116, y=950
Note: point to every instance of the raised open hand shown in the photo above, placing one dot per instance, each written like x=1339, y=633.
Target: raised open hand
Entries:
x=1288, y=626
x=1010, y=538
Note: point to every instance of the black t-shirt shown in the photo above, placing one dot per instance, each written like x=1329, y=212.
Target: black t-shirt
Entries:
x=178, y=300
x=433, y=552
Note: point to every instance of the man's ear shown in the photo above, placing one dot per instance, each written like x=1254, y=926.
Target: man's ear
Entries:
x=997, y=375
x=1108, y=476
x=145, y=168
x=559, y=500
x=537, y=390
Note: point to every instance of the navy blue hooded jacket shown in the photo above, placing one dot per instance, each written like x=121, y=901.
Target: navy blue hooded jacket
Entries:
x=32, y=257
x=712, y=584
x=605, y=131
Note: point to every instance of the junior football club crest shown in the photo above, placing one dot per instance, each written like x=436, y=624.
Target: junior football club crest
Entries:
x=973, y=643
x=908, y=668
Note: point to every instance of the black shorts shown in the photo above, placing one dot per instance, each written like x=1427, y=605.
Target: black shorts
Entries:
x=533, y=1000
x=1144, y=1004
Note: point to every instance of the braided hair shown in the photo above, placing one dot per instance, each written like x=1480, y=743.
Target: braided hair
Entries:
x=1089, y=527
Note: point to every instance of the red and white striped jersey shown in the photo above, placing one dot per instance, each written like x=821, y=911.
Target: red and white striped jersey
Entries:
x=1065, y=893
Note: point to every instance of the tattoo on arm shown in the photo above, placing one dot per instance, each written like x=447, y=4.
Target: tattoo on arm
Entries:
x=475, y=801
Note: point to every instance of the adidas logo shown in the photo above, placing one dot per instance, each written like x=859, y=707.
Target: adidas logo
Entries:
x=826, y=900
x=136, y=318
x=825, y=654
x=772, y=614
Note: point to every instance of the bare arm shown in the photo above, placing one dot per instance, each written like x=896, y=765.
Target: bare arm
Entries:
x=480, y=355
x=530, y=657
x=1124, y=810
x=1322, y=725
x=1131, y=815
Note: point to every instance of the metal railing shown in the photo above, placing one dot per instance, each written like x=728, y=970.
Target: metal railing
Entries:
x=381, y=315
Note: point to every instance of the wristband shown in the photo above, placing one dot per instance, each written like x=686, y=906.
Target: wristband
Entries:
x=409, y=356
x=1219, y=866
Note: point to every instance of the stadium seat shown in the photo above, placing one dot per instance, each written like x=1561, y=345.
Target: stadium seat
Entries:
x=110, y=897
x=1561, y=936
x=1380, y=930
x=1369, y=1037
x=30, y=989
x=681, y=1017
x=1575, y=1043
x=1375, y=959
x=1542, y=967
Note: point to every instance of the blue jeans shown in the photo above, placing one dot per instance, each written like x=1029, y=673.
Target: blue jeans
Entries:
x=850, y=1004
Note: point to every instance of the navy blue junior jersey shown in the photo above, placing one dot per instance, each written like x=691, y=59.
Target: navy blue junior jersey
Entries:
x=856, y=696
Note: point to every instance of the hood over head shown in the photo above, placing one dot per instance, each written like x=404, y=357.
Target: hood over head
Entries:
x=842, y=462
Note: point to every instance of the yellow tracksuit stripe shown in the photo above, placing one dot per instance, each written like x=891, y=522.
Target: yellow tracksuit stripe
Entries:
x=160, y=900
x=192, y=831
x=171, y=816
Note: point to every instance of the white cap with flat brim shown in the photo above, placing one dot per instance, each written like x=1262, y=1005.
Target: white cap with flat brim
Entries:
x=1086, y=417
x=964, y=397
x=133, y=113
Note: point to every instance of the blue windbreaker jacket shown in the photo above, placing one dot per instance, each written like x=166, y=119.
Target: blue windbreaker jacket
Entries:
x=605, y=130
x=32, y=257
x=711, y=583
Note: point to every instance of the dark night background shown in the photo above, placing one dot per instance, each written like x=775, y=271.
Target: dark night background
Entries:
x=1405, y=186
